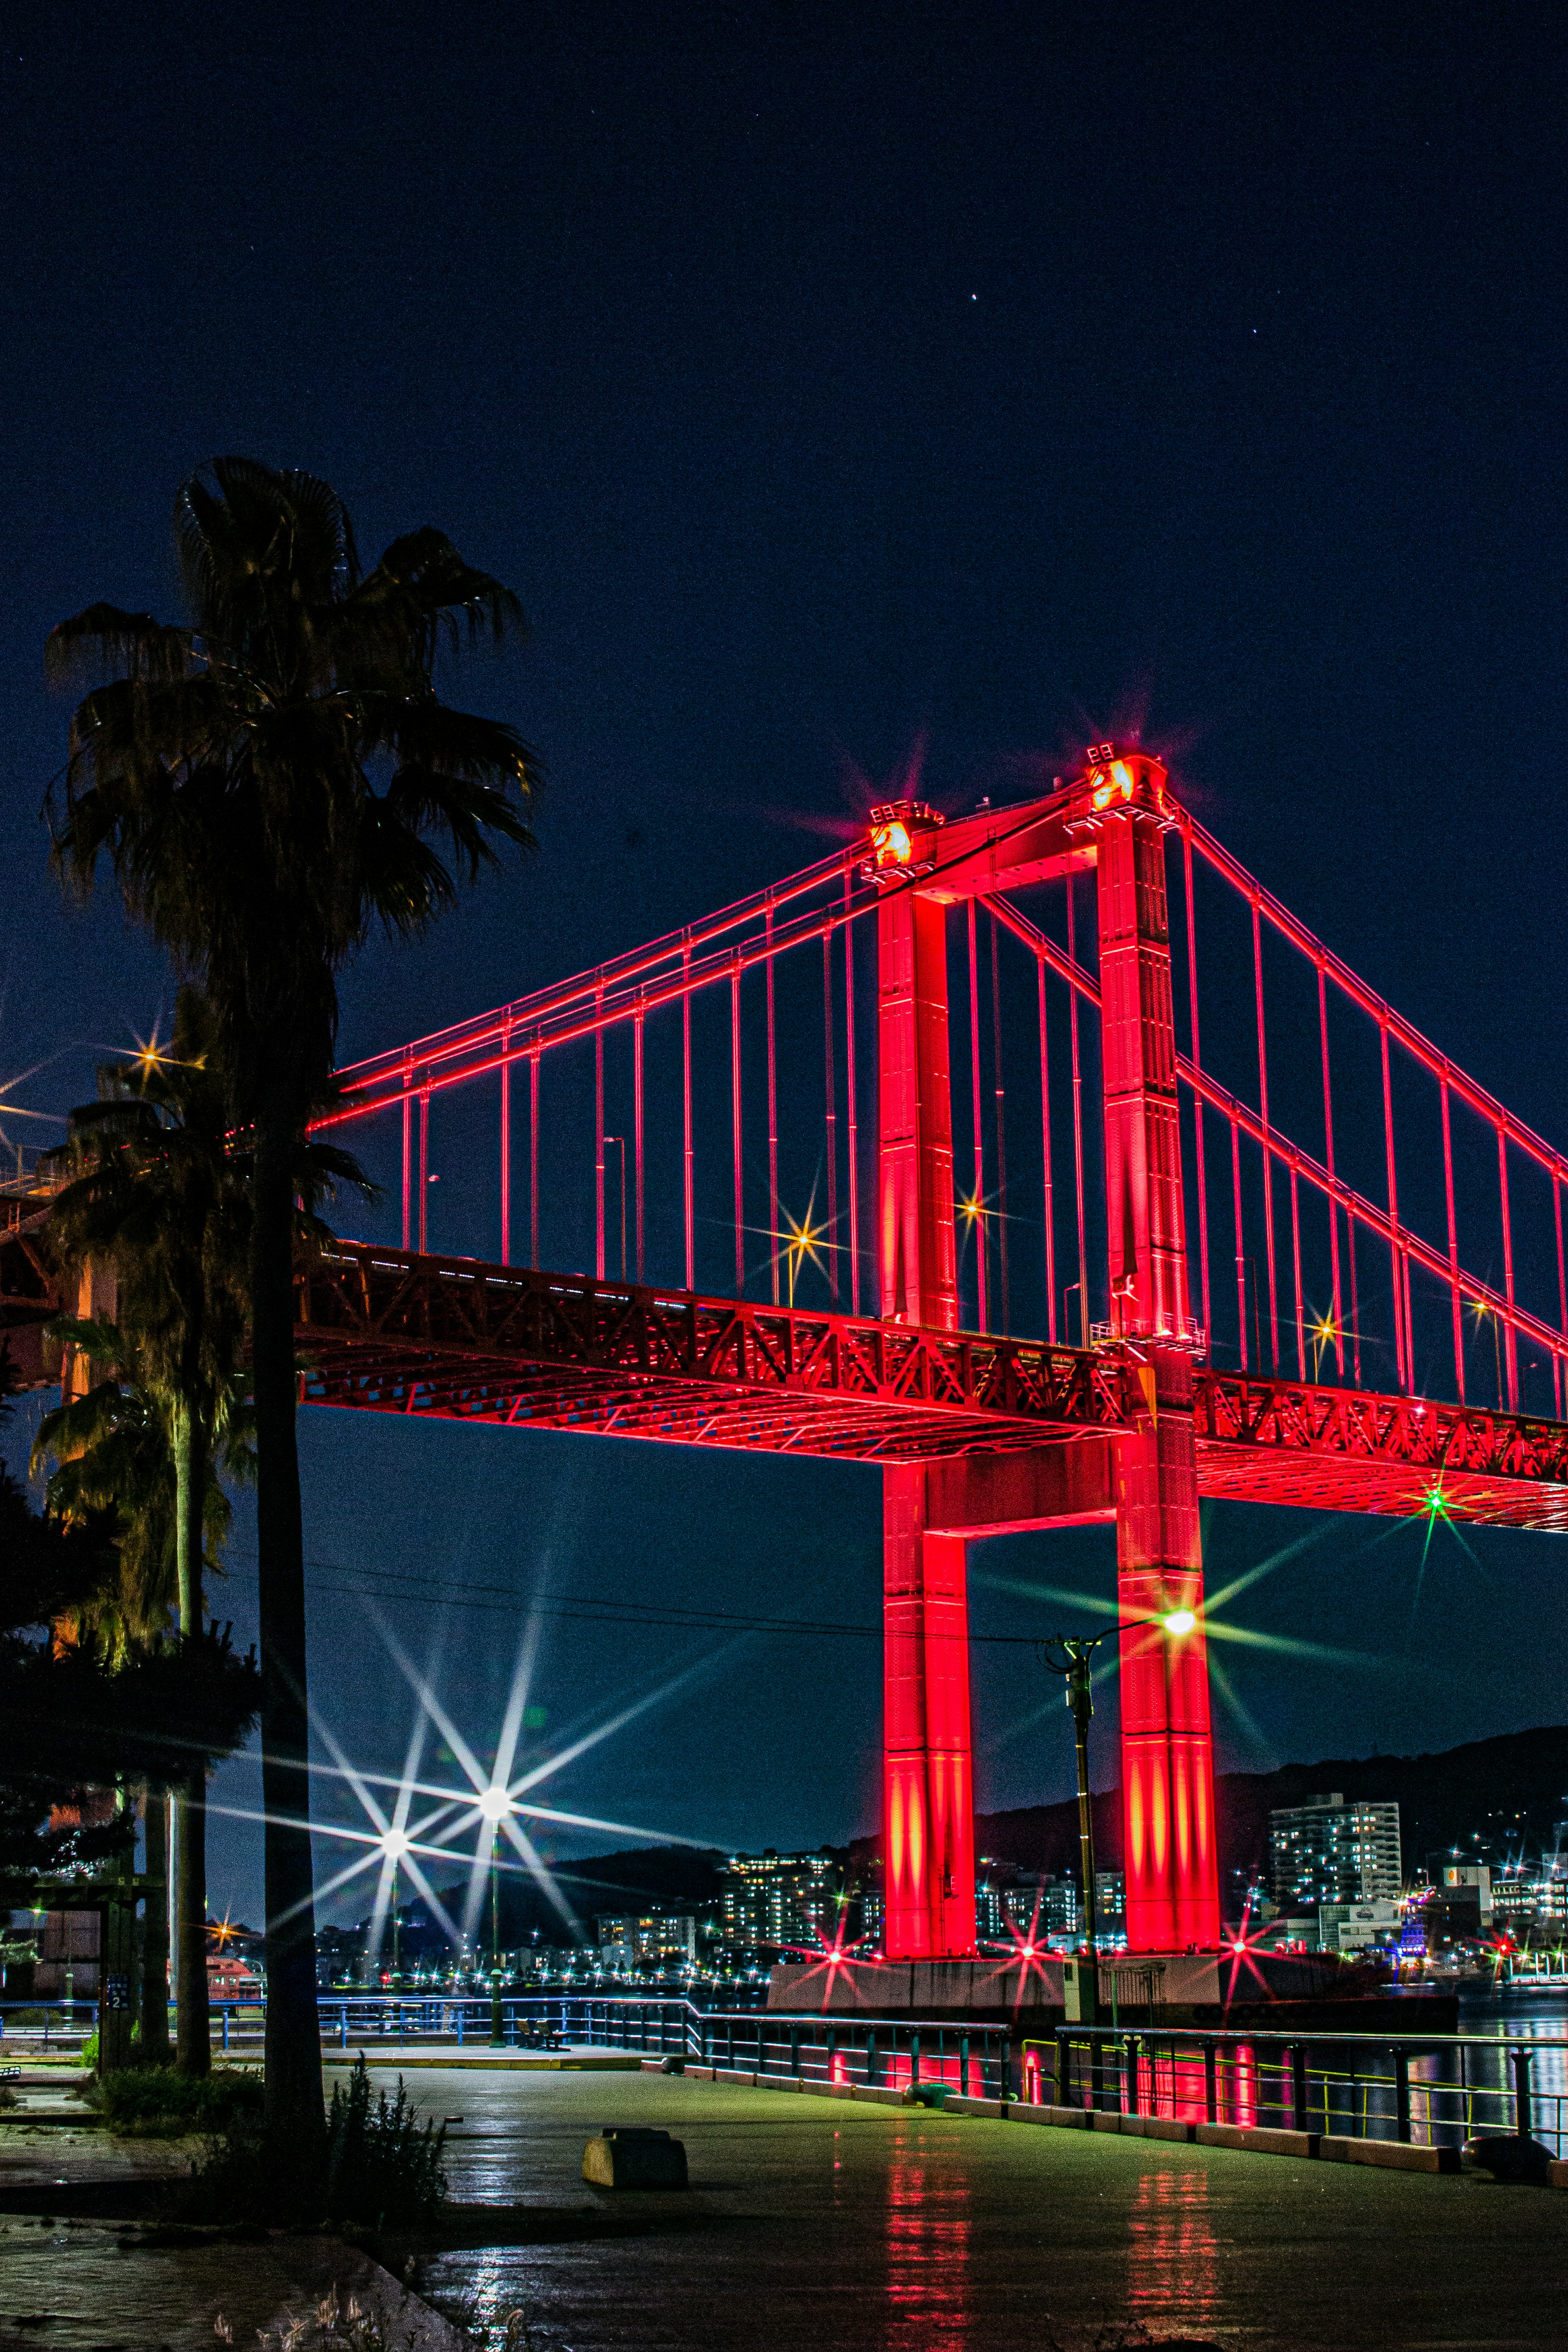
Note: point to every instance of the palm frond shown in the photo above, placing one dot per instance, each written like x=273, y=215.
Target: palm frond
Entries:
x=104, y=639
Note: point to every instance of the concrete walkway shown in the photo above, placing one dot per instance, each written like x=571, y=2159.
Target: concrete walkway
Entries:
x=850, y=2228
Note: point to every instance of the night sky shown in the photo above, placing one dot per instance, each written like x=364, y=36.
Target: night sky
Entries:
x=830, y=383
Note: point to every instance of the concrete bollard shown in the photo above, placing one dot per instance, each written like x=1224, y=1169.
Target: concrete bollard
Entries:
x=626, y=2157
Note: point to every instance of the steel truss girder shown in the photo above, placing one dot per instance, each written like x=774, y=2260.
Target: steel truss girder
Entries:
x=1290, y=1441
x=393, y=1330
x=388, y=1332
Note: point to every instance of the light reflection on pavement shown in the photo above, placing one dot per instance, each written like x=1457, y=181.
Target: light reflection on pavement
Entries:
x=832, y=2224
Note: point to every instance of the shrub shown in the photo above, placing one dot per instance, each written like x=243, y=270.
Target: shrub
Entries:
x=381, y=2165
x=154, y=2103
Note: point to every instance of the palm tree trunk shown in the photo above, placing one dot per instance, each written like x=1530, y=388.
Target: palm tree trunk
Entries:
x=193, y=2045
x=294, y=2112
x=155, y=1935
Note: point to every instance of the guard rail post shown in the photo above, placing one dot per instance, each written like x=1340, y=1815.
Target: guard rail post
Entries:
x=1522, y=2114
x=1402, y=2095
x=1298, y=2102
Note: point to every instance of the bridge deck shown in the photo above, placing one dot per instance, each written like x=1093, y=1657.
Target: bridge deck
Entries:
x=388, y=1330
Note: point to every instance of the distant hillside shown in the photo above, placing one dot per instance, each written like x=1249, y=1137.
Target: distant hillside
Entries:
x=1503, y=1787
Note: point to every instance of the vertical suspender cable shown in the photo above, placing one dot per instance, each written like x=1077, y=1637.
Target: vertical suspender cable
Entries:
x=1268, y=1151
x=849, y=1083
x=1509, y=1338
x=1401, y=1372
x=831, y=1121
x=977, y=1219
x=1240, y=1241
x=407, y=1152
x=772, y=1120
x=639, y=1020
x=1562, y=1299
x=506, y=1143
x=1354, y=1301
x=1045, y=1147
x=1454, y=1298
x=534, y=1158
x=1296, y=1269
x=599, y=1132
x=686, y=1116
x=1335, y=1307
x=424, y=1168
x=1077, y=1124
x=1196, y=1063
x=734, y=1129
x=1001, y=1123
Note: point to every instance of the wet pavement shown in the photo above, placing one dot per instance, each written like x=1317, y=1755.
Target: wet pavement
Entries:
x=835, y=2224
x=81, y=2286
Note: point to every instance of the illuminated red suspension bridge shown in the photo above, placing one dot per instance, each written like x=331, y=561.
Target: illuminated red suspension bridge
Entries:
x=1271, y=1243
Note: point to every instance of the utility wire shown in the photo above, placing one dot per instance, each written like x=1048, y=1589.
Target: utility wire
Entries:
x=398, y=1584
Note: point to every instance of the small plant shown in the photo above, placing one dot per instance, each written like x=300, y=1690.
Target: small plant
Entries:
x=333, y=2326
x=154, y=2103
x=383, y=2166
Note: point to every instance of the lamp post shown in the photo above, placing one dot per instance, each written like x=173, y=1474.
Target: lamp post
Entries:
x=494, y=1805
x=1072, y=1655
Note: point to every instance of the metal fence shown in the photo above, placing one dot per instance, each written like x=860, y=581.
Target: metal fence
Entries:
x=1433, y=2092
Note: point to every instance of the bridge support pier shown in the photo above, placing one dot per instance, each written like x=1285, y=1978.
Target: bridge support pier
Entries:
x=929, y=1798
x=1167, y=1769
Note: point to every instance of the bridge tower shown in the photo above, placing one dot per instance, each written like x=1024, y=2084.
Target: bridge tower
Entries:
x=1113, y=820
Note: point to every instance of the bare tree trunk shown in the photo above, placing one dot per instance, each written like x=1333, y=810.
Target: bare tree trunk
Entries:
x=194, y=2047
x=155, y=1935
x=294, y=2112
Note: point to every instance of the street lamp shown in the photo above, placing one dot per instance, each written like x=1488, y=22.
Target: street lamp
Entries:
x=1072, y=1655
x=394, y=1845
x=494, y=1805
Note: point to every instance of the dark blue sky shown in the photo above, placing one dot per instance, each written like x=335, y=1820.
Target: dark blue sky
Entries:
x=820, y=378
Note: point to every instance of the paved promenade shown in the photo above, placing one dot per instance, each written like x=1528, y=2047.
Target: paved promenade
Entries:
x=823, y=2224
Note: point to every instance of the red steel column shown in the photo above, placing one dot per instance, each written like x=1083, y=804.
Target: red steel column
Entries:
x=928, y=1799
x=914, y=1111
x=1168, y=1764
x=927, y=1785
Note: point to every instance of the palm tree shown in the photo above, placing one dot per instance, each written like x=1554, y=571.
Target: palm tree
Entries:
x=112, y=1454
x=266, y=783
x=160, y=1195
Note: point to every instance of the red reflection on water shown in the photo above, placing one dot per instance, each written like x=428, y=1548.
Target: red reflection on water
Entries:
x=1172, y=2269
x=927, y=2293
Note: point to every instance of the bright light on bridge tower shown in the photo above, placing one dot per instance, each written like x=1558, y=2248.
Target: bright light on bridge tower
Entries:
x=1167, y=1760
x=1110, y=820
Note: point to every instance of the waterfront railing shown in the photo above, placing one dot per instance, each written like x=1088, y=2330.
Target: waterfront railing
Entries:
x=1425, y=2091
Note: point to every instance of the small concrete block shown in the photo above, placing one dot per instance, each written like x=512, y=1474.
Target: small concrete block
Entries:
x=732, y=2074
x=1065, y=2118
x=1151, y=2128
x=1557, y=2173
x=1392, y=2155
x=877, y=2094
x=958, y=2104
x=620, y=2159
x=700, y=2074
x=653, y=2065
x=1257, y=2139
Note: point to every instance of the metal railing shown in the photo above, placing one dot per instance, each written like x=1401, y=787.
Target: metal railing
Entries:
x=882, y=2053
x=1433, y=2092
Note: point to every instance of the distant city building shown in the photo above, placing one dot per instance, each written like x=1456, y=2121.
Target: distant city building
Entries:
x=1529, y=1900
x=1325, y=1851
x=1360, y=1927
x=652, y=1940
x=778, y=1898
x=1043, y=1908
